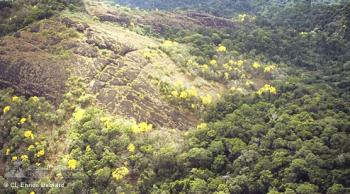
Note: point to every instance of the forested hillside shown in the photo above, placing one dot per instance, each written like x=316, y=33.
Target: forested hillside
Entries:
x=223, y=7
x=158, y=96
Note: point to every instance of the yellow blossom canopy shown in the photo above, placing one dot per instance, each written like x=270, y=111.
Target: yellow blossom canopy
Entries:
x=24, y=158
x=267, y=88
x=192, y=92
x=28, y=134
x=239, y=63
x=72, y=164
x=79, y=113
x=226, y=75
x=22, y=120
x=256, y=65
x=213, y=62
x=40, y=153
x=16, y=99
x=202, y=126
x=169, y=43
x=31, y=147
x=221, y=48
x=131, y=148
x=226, y=66
x=242, y=17
x=120, y=173
x=141, y=127
x=269, y=68
x=205, y=67
x=35, y=99
x=206, y=99
x=183, y=94
x=175, y=93
x=88, y=148
x=6, y=109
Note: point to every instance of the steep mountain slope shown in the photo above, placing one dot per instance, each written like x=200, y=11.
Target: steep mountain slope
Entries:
x=156, y=21
x=225, y=8
x=39, y=59
x=112, y=99
x=111, y=60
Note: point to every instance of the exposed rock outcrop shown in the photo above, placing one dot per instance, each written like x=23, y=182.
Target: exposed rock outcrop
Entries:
x=109, y=59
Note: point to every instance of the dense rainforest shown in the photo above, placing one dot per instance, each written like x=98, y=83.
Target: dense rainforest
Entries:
x=188, y=96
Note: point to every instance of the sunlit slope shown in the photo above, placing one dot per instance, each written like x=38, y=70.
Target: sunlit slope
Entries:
x=111, y=61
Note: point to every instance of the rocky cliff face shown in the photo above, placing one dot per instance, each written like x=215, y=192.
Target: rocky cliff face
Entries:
x=39, y=59
x=28, y=64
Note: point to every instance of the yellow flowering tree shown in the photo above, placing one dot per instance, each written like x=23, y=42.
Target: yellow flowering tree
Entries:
x=6, y=109
x=79, y=113
x=240, y=63
x=28, y=134
x=256, y=65
x=242, y=17
x=183, y=94
x=204, y=68
x=149, y=54
x=16, y=99
x=269, y=68
x=221, y=48
x=35, y=99
x=175, y=93
x=31, y=148
x=24, y=158
x=40, y=153
x=206, y=100
x=202, y=126
x=19, y=110
x=226, y=75
x=267, y=88
x=22, y=120
x=72, y=164
x=192, y=92
x=169, y=43
x=131, y=148
x=141, y=127
x=213, y=62
x=88, y=148
x=120, y=173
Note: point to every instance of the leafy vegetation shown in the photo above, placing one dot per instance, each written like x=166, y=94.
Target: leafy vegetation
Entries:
x=268, y=144
x=27, y=130
x=283, y=126
x=15, y=15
